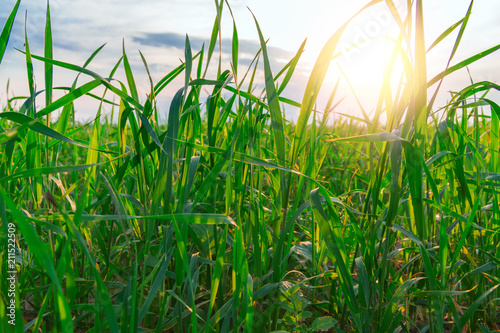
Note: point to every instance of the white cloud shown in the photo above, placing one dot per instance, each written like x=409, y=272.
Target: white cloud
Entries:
x=79, y=27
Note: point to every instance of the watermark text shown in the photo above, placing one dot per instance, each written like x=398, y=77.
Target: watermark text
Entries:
x=11, y=273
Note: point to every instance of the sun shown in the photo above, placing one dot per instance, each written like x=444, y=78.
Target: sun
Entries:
x=363, y=56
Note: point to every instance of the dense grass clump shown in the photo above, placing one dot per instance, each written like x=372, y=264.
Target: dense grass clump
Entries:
x=229, y=218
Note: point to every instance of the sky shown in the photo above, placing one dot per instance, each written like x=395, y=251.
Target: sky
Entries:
x=158, y=28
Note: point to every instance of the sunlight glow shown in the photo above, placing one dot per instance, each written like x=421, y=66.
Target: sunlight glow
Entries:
x=363, y=55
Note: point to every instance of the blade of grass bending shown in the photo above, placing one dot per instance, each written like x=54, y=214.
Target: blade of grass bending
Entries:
x=96, y=76
x=92, y=56
x=462, y=64
x=48, y=225
x=34, y=125
x=7, y=28
x=291, y=68
x=168, y=78
x=150, y=103
x=257, y=100
x=248, y=96
x=69, y=97
x=128, y=73
x=445, y=34
x=480, y=270
x=289, y=101
x=276, y=123
x=27, y=103
x=411, y=236
x=9, y=138
x=151, y=131
x=474, y=89
x=89, y=59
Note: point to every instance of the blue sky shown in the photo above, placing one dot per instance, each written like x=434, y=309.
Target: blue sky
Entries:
x=158, y=29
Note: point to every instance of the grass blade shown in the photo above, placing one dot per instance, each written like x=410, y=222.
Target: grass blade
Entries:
x=7, y=28
x=49, y=68
x=276, y=122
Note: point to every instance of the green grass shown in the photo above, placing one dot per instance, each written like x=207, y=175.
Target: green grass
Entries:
x=230, y=218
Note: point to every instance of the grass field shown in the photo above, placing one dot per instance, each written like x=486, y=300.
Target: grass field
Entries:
x=230, y=218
